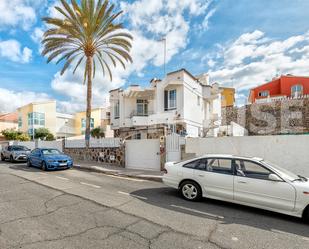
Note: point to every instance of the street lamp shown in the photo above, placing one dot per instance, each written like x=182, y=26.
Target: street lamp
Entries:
x=164, y=40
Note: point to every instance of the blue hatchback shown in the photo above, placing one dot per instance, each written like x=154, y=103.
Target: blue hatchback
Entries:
x=49, y=159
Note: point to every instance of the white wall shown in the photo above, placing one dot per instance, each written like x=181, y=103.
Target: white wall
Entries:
x=290, y=152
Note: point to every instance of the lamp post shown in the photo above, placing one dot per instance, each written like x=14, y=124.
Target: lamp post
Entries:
x=164, y=40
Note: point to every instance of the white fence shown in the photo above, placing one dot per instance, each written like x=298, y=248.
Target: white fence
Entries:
x=173, y=150
x=290, y=151
x=41, y=144
x=94, y=143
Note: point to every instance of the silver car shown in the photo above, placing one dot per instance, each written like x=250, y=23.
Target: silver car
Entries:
x=15, y=153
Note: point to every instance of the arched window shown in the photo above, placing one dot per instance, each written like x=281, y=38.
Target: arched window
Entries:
x=296, y=90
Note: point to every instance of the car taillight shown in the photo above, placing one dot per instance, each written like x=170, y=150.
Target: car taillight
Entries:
x=165, y=171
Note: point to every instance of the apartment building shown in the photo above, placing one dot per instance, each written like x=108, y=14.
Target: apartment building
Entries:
x=44, y=115
x=285, y=86
x=180, y=103
x=227, y=96
x=8, y=121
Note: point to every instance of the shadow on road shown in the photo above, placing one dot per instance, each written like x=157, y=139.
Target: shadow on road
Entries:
x=227, y=213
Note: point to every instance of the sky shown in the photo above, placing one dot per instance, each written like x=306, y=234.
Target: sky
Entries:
x=240, y=43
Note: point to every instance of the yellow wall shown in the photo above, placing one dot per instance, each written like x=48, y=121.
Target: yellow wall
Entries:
x=228, y=96
x=48, y=108
x=95, y=114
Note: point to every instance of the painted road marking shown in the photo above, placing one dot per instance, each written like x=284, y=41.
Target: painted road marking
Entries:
x=198, y=212
x=62, y=178
x=90, y=185
x=137, y=196
x=126, y=178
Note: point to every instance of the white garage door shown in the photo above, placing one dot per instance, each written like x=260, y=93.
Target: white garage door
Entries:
x=143, y=154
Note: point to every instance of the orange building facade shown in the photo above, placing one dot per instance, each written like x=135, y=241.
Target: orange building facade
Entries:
x=284, y=86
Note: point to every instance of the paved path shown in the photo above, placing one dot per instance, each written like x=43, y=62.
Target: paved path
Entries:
x=77, y=209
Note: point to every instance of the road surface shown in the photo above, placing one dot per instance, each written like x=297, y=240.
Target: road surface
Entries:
x=77, y=209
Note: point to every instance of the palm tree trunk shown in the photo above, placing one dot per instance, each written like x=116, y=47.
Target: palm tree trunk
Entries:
x=89, y=96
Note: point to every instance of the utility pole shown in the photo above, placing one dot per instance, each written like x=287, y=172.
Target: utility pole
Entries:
x=164, y=40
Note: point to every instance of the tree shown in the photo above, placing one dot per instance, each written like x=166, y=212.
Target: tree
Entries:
x=23, y=137
x=50, y=137
x=97, y=132
x=11, y=134
x=87, y=34
x=41, y=133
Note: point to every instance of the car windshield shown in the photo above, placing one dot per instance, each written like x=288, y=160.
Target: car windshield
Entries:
x=282, y=172
x=51, y=152
x=19, y=148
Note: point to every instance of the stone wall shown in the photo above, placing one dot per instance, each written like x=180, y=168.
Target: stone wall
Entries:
x=93, y=154
x=275, y=118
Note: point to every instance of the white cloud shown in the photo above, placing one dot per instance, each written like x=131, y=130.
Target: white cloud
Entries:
x=149, y=20
x=19, y=13
x=11, y=100
x=205, y=23
x=12, y=50
x=253, y=59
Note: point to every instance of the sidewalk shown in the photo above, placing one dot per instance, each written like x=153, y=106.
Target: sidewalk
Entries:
x=118, y=171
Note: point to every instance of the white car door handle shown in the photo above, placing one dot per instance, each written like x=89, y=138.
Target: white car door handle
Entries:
x=201, y=175
x=242, y=182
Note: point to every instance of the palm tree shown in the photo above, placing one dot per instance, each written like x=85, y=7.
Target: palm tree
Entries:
x=85, y=35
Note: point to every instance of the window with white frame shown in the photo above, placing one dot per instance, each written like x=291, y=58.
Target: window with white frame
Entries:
x=170, y=97
x=116, y=110
x=297, y=90
x=83, y=121
x=36, y=118
x=20, y=122
x=142, y=107
x=263, y=94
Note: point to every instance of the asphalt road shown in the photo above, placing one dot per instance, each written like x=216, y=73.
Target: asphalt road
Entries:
x=76, y=209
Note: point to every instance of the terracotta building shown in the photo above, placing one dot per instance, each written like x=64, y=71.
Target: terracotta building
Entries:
x=284, y=86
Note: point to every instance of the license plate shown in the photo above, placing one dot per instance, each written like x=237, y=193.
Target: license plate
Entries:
x=63, y=164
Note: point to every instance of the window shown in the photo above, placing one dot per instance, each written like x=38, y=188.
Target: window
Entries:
x=192, y=165
x=20, y=122
x=36, y=118
x=251, y=169
x=202, y=165
x=264, y=94
x=297, y=90
x=137, y=136
x=116, y=110
x=218, y=165
x=142, y=107
x=170, y=97
x=84, y=123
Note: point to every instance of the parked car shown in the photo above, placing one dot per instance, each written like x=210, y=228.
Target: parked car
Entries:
x=248, y=181
x=49, y=159
x=15, y=153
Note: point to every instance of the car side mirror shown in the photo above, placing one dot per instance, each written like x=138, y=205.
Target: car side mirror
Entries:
x=274, y=177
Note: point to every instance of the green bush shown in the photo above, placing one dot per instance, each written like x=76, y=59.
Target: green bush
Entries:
x=97, y=132
x=50, y=137
x=11, y=134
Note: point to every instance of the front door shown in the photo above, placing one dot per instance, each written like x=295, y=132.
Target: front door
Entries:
x=253, y=187
x=216, y=177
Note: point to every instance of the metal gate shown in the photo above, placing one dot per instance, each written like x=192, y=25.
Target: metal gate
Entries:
x=173, y=147
x=143, y=154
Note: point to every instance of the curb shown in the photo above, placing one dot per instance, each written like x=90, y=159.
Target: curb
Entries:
x=108, y=172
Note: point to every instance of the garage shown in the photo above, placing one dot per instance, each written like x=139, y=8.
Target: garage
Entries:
x=143, y=154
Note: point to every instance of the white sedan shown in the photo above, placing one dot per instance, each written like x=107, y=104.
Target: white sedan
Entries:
x=248, y=181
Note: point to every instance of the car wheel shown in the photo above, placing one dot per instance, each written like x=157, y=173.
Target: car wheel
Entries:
x=29, y=163
x=11, y=159
x=44, y=166
x=2, y=158
x=190, y=191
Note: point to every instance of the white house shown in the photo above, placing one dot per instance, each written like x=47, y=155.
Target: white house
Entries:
x=180, y=103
